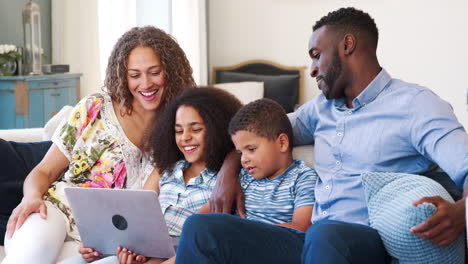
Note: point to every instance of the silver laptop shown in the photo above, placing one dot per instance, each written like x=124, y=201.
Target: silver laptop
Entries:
x=108, y=218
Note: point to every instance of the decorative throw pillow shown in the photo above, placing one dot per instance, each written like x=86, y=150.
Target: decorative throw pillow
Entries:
x=246, y=92
x=284, y=89
x=391, y=212
x=18, y=159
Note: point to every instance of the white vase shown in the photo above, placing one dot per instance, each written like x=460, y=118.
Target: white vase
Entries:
x=8, y=68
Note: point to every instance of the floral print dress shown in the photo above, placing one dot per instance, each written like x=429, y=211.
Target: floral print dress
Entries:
x=100, y=154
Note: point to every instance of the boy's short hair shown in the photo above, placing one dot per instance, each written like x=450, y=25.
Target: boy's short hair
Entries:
x=263, y=117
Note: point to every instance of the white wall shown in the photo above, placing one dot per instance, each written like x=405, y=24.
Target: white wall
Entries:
x=421, y=41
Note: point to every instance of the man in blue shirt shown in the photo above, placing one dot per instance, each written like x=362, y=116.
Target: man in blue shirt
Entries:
x=364, y=120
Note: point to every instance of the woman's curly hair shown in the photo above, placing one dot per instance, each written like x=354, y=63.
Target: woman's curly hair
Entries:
x=216, y=107
x=176, y=67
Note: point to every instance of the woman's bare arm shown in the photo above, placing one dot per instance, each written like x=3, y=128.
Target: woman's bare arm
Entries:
x=152, y=183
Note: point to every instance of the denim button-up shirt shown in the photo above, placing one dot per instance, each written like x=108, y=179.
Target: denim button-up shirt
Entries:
x=393, y=126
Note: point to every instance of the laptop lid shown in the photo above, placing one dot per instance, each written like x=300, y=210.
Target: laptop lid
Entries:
x=108, y=218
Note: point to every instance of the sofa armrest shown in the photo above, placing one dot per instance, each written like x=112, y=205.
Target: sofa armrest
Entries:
x=37, y=134
x=22, y=135
x=2, y=253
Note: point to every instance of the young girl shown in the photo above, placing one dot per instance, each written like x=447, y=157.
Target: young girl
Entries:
x=189, y=142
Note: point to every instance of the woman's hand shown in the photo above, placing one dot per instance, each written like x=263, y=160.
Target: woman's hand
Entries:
x=22, y=212
x=35, y=186
x=126, y=256
x=89, y=254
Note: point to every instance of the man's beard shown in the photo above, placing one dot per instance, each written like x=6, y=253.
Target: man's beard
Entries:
x=332, y=74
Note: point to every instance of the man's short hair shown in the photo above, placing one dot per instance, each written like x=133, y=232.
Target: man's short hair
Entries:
x=351, y=20
x=263, y=117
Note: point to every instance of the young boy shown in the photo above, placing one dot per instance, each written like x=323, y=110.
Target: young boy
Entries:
x=278, y=189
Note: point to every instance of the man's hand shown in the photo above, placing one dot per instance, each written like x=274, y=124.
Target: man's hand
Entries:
x=445, y=225
x=227, y=190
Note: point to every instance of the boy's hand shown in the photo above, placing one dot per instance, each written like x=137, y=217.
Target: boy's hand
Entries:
x=89, y=254
x=126, y=256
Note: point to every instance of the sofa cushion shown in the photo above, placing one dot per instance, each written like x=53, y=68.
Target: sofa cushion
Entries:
x=23, y=134
x=18, y=159
x=246, y=92
x=284, y=89
x=304, y=153
x=391, y=213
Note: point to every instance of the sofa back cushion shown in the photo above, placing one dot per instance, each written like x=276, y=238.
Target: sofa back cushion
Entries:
x=283, y=89
x=246, y=92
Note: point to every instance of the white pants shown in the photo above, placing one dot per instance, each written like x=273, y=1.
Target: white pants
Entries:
x=39, y=240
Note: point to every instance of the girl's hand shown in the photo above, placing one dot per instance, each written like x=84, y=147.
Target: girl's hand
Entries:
x=89, y=254
x=126, y=256
x=22, y=211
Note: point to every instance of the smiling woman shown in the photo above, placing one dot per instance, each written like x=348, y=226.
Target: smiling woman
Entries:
x=100, y=144
x=146, y=80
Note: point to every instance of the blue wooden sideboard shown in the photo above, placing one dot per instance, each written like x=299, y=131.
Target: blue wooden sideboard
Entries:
x=30, y=101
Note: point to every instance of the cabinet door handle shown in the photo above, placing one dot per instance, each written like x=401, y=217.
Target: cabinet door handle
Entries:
x=55, y=94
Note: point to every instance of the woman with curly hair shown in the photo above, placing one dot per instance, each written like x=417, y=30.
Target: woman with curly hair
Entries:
x=101, y=143
x=191, y=141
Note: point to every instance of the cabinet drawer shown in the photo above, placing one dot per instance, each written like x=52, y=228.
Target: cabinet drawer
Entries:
x=52, y=84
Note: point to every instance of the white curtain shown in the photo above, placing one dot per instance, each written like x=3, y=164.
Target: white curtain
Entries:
x=115, y=18
x=189, y=28
x=75, y=40
x=84, y=33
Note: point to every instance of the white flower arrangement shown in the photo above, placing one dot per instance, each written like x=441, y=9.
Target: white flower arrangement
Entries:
x=8, y=53
x=6, y=48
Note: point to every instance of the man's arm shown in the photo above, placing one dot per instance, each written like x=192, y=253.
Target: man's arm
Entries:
x=438, y=136
x=303, y=123
x=227, y=190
